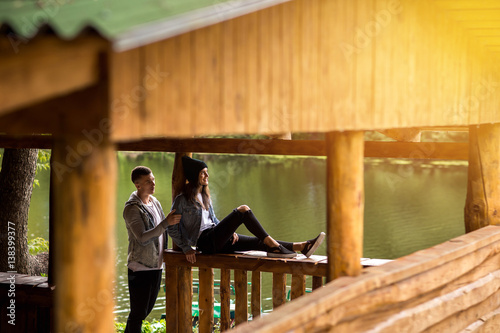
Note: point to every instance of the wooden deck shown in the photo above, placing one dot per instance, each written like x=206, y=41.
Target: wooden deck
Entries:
x=33, y=303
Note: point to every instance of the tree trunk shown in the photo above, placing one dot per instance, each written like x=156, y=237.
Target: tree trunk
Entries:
x=16, y=185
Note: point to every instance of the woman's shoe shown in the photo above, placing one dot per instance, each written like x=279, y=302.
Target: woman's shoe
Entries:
x=313, y=244
x=280, y=252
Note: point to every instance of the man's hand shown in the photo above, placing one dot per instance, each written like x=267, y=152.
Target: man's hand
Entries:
x=191, y=256
x=173, y=218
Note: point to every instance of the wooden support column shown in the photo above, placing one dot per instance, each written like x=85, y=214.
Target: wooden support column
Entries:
x=298, y=286
x=317, y=282
x=482, y=205
x=225, y=299
x=178, y=179
x=345, y=203
x=256, y=294
x=52, y=238
x=185, y=284
x=171, y=298
x=279, y=290
x=84, y=180
x=241, y=306
x=206, y=300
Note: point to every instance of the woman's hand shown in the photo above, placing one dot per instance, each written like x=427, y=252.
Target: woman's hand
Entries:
x=191, y=256
x=173, y=218
x=235, y=238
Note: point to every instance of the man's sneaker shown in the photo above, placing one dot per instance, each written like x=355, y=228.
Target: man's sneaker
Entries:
x=313, y=244
x=280, y=252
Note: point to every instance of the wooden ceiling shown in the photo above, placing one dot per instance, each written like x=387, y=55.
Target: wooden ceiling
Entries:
x=480, y=18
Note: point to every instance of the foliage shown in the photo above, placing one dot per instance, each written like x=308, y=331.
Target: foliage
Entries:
x=38, y=245
x=42, y=163
x=156, y=326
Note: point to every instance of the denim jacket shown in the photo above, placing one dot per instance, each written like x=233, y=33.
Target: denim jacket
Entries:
x=185, y=234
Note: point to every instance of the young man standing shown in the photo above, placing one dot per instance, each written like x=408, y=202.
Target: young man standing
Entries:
x=146, y=225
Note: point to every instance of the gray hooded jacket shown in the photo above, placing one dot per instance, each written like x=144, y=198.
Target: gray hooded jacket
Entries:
x=142, y=232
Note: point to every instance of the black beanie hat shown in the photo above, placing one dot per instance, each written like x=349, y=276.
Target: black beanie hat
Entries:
x=192, y=168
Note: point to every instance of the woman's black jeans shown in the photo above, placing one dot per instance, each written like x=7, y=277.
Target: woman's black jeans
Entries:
x=219, y=238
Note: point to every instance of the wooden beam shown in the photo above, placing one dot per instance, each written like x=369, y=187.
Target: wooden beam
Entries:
x=83, y=185
x=345, y=203
x=47, y=67
x=79, y=111
x=249, y=263
x=416, y=150
x=482, y=205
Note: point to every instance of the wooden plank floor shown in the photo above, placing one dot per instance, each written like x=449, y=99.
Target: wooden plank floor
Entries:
x=33, y=303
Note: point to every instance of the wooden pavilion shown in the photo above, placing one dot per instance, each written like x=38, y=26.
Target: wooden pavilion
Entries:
x=101, y=76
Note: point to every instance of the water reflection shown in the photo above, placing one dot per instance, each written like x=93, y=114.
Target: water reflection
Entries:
x=408, y=206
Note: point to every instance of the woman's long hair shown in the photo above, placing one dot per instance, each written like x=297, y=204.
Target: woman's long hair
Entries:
x=191, y=191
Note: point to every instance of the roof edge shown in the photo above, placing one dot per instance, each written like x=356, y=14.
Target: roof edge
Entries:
x=177, y=25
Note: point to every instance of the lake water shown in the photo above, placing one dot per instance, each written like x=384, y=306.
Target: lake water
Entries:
x=409, y=205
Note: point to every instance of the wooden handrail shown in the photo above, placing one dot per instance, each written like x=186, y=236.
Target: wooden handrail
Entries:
x=446, y=288
x=316, y=267
x=179, y=299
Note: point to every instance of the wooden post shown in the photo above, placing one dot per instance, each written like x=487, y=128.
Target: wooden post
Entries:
x=52, y=240
x=171, y=298
x=345, y=203
x=178, y=181
x=185, y=284
x=206, y=300
x=225, y=299
x=185, y=277
x=84, y=231
x=241, y=306
x=256, y=291
x=317, y=282
x=279, y=289
x=482, y=205
x=298, y=286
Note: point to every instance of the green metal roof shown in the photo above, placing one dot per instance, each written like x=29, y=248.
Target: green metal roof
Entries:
x=126, y=23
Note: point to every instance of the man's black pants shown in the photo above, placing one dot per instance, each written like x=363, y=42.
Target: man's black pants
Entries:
x=143, y=287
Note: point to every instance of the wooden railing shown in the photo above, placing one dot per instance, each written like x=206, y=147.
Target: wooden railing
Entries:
x=178, y=279
x=452, y=287
x=179, y=285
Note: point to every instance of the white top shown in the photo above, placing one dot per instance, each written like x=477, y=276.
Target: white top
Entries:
x=206, y=221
